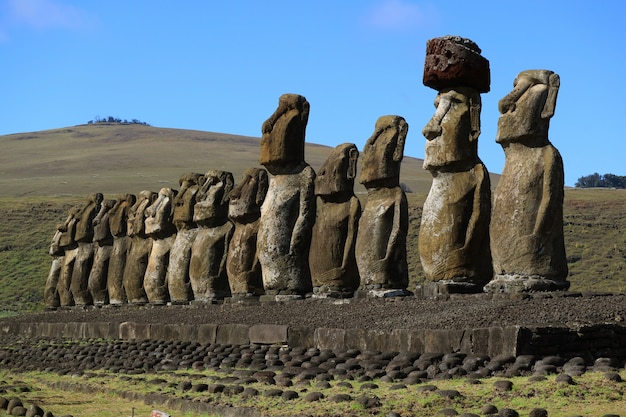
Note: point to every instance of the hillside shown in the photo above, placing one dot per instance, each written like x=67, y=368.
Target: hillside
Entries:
x=116, y=158
x=43, y=174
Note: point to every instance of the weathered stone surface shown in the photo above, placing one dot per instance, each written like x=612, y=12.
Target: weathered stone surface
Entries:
x=180, y=255
x=161, y=229
x=381, y=240
x=103, y=246
x=139, y=249
x=332, y=256
x=207, y=267
x=118, y=223
x=268, y=334
x=68, y=245
x=452, y=61
x=527, y=220
x=454, y=233
x=84, y=255
x=244, y=209
x=288, y=212
x=57, y=251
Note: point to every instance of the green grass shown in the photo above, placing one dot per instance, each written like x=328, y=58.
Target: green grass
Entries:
x=592, y=394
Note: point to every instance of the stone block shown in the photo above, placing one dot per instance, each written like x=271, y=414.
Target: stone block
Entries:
x=100, y=330
x=415, y=341
x=187, y=333
x=234, y=334
x=207, y=334
x=301, y=337
x=333, y=339
x=269, y=334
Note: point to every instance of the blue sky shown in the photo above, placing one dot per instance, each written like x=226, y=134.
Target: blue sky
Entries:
x=220, y=66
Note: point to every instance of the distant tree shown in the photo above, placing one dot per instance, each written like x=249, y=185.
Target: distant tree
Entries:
x=601, y=181
x=112, y=119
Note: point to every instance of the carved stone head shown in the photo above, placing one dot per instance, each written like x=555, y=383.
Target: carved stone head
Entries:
x=212, y=198
x=185, y=200
x=137, y=215
x=337, y=174
x=246, y=198
x=452, y=133
x=119, y=214
x=526, y=111
x=282, y=143
x=383, y=153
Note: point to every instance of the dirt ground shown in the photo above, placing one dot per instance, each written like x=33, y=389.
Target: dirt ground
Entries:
x=456, y=312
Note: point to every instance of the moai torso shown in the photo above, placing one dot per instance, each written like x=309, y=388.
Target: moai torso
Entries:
x=178, y=284
x=139, y=251
x=288, y=212
x=84, y=255
x=527, y=221
x=162, y=232
x=332, y=256
x=454, y=232
x=242, y=264
x=207, y=268
x=381, y=240
x=118, y=223
x=103, y=246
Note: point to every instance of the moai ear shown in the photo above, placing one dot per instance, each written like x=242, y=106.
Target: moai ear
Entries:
x=402, y=130
x=229, y=184
x=474, y=120
x=262, y=184
x=553, y=90
x=352, y=160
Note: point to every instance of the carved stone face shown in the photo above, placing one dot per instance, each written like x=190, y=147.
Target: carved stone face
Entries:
x=282, y=143
x=452, y=133
x=186, y=199
x=212, y=198
x=248, y=196
x=527, y=109
x=338, y=172
x=384, y=151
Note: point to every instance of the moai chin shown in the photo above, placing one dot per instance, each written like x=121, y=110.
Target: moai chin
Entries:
x=103, y=246
x=162, y=231
x=454, y=233
x=84, y=256
x=332, y=257
x=244, y=210
x=527, y=241
x=288, y=212
x=381, y=239
x=178, y=284
x=139, y=250
x=118, y=224
x=207, y=268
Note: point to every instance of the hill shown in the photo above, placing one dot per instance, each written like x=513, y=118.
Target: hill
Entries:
x=43, y=174
x=117, y=158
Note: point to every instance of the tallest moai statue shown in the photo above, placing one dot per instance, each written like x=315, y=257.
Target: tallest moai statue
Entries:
x=454, y=233
x=527, y=223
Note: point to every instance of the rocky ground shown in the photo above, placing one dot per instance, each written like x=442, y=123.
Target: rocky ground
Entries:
x=456, y=312
x=310, y=374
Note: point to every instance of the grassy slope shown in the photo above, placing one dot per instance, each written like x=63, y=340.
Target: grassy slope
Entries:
x=43, y=174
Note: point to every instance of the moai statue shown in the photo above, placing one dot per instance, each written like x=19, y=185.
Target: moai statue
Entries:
x=527, y=240
x=139, y=249
x=288, y=212
x=207, y=268
x=118, y=224
x=244, y=210
x=103, y=246
x=68, y=245
x=381, y=240
x=178, y=284
x=454, y=233
x=84, y=257
x=161, y=229
x=57, y=251
x=332, y=258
